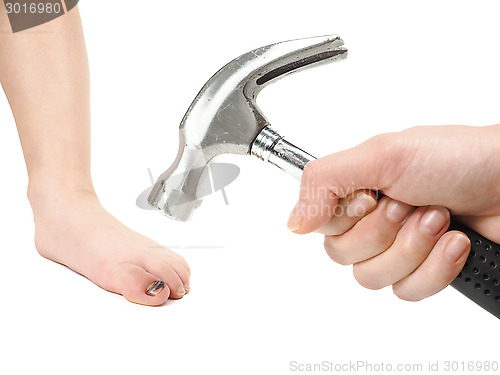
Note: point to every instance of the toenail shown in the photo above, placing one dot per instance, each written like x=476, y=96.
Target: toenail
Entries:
x=155, y=288
x=187, y=288
x=181, y=291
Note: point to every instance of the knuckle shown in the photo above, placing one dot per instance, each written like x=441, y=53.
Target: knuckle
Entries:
x=411, y=252
x=366, y=279
x=335, y=253
x=386, y=143
x=339, y=258
x=405, y=294
x=393, y=153
x=381, y=139
x=443, y=276
x=335, y=230
x=380, y=241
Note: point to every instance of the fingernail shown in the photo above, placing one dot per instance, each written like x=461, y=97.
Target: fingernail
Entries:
x=360, y=205
x=155, y=288
x=457, y=247
x=296, y=217
x=433, y=220
x=397, y=211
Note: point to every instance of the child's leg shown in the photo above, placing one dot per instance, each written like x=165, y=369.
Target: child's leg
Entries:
x=44, y=73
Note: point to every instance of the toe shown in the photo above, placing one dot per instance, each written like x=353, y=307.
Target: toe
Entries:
x=139, y=286
x=166, y=271
x=180, y=266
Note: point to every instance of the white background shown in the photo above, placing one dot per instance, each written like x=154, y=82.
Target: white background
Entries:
x=261, y=296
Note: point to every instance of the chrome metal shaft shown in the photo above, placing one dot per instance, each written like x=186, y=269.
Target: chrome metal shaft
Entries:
x=272, y=147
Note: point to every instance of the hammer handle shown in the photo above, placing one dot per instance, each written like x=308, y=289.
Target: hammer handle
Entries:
x=480, y=277
x=479, y=280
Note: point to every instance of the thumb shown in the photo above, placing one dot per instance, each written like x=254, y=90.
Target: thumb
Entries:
x=335, y=176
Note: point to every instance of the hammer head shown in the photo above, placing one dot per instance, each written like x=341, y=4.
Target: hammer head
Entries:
x=224, y=117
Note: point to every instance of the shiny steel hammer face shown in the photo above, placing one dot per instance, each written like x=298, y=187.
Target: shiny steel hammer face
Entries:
x=225, y=119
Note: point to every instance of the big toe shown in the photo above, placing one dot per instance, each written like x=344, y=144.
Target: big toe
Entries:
x=139, y=286
x=173, y=271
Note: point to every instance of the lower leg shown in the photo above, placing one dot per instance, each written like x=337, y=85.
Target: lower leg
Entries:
x=44, y=73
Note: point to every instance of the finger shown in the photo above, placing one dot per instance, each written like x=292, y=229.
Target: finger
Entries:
x=411, y=247
x=440, y=268
x=371, y=236
x=349, y=211
x=335, y=176
x=316, y=204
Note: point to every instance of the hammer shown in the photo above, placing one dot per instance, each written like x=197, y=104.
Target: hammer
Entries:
x=225, y=119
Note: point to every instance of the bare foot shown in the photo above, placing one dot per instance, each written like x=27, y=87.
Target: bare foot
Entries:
x=73, y=228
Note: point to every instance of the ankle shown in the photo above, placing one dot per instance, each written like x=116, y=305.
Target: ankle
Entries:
x=45, y=195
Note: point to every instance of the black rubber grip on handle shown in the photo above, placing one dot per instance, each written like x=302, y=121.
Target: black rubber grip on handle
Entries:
x=480, y=278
